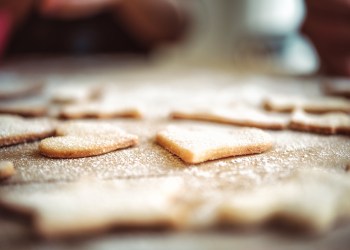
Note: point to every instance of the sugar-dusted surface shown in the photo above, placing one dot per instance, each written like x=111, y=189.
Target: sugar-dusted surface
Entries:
x=162, y=92
x=292, y=150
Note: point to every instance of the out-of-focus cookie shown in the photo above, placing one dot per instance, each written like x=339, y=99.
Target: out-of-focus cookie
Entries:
x=90, y=206
x=330, y=123
x=310, y=105
x=240, y=116
x=99, y=110
x=32, y=107
x=83, y=128
x=14, y=129
x=74, y=93
x=11, y=90
x=310, y=200
x=6, y=169
x=337, y=87
x=199, y=144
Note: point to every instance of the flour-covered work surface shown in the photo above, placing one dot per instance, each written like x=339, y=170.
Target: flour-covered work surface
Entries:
x=200, y=173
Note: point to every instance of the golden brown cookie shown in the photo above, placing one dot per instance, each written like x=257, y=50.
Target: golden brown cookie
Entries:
x=198, y=144
x=330, y=123
x=14, y=129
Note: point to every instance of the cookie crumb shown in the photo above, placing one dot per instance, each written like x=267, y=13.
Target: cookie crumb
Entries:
x=6, y=169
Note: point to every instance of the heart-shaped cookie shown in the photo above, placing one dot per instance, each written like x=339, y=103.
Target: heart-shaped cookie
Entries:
x=198, y=144
x=83, y=139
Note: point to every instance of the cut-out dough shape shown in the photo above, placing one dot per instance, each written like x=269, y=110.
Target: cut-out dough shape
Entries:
x=6, y=169
x=310, y=105
x=100, y=110
x=26, y=107
x=313, y=200
x=91, y=206
x=74, y=93
x=330, y=123
x=16, y=90
x=81, y=139
x=14, y=129
x=240, y=116
x=337, y=87
x=199, y=144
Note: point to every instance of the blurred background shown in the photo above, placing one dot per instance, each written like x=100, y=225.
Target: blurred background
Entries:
x=250, y=35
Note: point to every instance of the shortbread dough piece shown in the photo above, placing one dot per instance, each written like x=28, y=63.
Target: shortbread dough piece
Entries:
x=17, y=90
x=72, y=146
x=330, y=123
x=240, y=116
x=199, y=144
x=88, y=128
x=14, y=129
x=337, y=87
x=6, y=169
x=90, y=205
x=100, y=110
x=311, y=199
x=83, y=139
x=26, y=107
x=74, y=93
x=310, y=105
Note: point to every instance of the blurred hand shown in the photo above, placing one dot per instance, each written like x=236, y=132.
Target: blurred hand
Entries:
x=327, y=25
x=149, y=21
x=74, y=9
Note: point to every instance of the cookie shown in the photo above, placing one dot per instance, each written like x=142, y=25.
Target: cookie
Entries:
x=310, y=105
x=330, y=123
x=6, y=169
x=81, y=139
x=14, y=129
x=92, y=206
x=83, y=128
x=199, y=144
x=27, y=107
x=99, y=110
x=12, y=90
x=311, y=200
x=74, y=93
x=337, y=87
x=240, y=116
